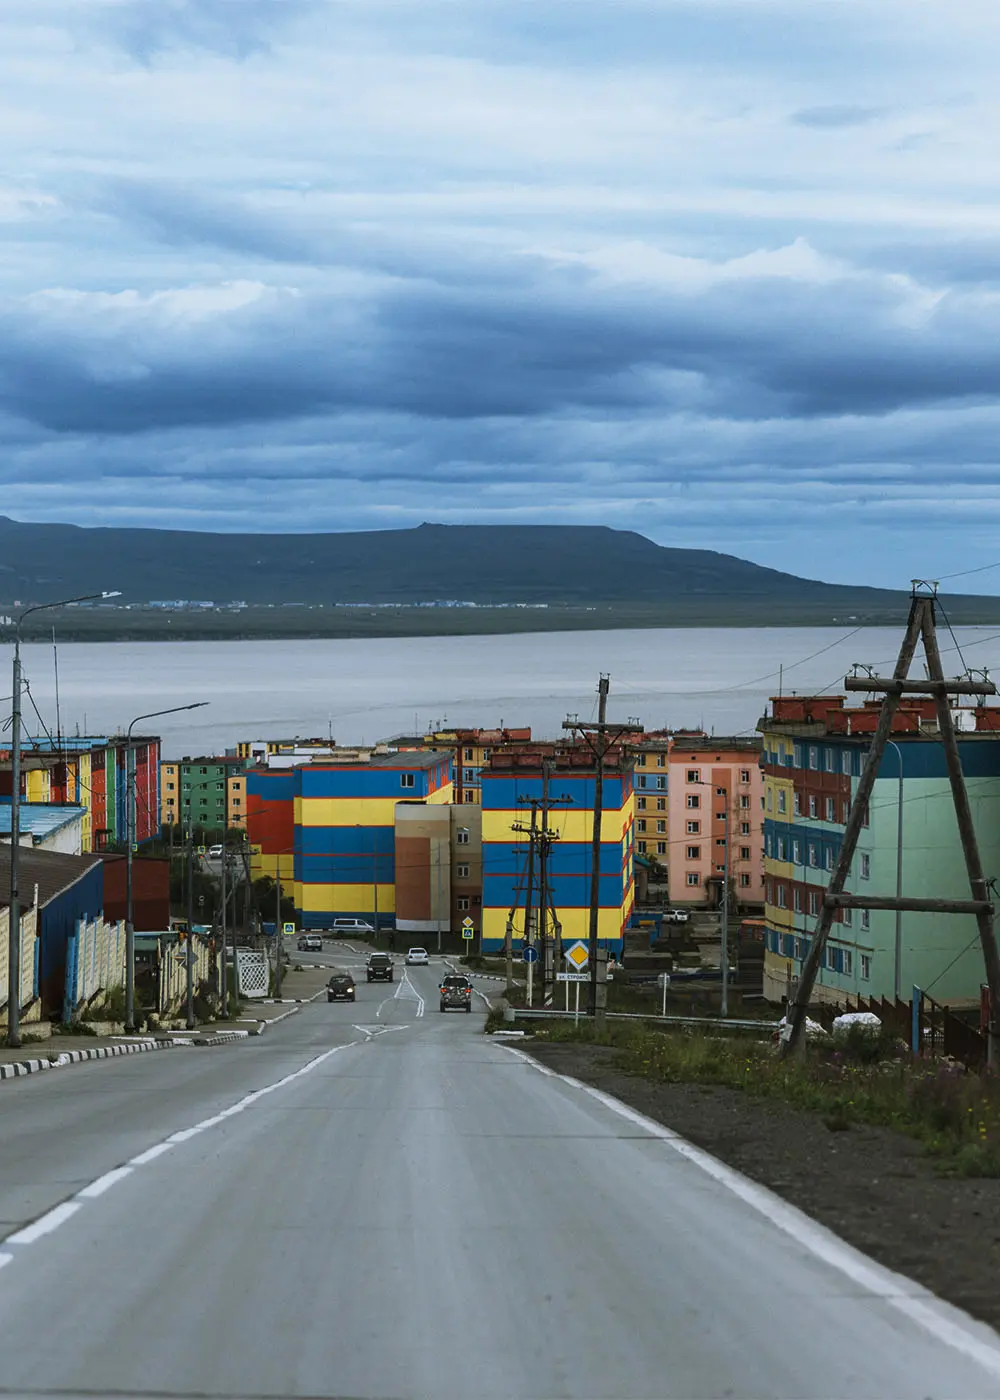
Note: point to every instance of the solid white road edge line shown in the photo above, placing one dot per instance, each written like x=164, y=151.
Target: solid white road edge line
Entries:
x=926, y=1310
x=58, y=1215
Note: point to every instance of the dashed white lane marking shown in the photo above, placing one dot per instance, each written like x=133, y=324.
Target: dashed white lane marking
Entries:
x=45, y=1224
x=104, y=1183
x=59, y=1214
x=921, y=1307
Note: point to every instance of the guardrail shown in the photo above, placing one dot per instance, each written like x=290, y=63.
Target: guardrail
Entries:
x=730, y=1023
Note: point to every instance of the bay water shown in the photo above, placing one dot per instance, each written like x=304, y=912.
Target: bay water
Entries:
x=362, y=690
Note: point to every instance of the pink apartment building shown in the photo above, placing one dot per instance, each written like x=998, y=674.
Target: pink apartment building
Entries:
x=704, y=779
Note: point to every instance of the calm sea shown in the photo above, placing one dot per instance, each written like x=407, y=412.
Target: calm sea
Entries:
x=364, y=690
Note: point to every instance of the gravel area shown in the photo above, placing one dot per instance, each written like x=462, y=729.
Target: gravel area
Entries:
x=874, y=1187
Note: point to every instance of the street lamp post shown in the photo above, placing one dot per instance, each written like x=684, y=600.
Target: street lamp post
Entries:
x=14, y=926
x=898, y=960
x=130, y=825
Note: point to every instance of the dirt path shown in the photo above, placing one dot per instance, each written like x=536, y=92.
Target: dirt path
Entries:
x=875, y=1188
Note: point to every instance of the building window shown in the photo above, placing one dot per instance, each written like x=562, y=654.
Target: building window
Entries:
x=468, y=755
x=866, y=867
x=831, y=809
x=866, y=817
x=831, y=760
x=468, y=775
x=659, y=760
x=796, y=805
x=641, y=823
x=693, y=800
x=693, y=878
x=661, y=826
x=463, y=903
x=744, y=803
x=406, y=780
x=170, y=787
x=796, y=852
x=694, y=775
x=170, y=801
x=866, y=920
x=694, y=828
x=237, y=801
x=462, y=836
x=866, y=966
x=797, y=755
x=782, y=800
x=813, y=902
x=694, y=853
x=640, y=780
x=744, y=853
x=847, y=917
x=845, y=762
x=744, y=882
x=828, y=858
x=744, y=775
x=770, y=799
x=846, y=811
x=781, y=897
x=812, y=805
x=813, y=856
x=462, y=871
x=661, y=804
x=782, y=848
x=641, y=804
x=797, y=899
x=813, y=757
x=642, y=847
x=661, y=782
x=661, y=848
x=640, y=759
x=744, y=828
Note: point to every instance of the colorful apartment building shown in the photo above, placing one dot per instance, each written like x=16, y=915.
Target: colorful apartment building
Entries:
x=714, y=796
x=511, y=779
x=91, y=773
x=236, y=802
x=472, y=749
x=814, y=751
x=330, y=828
x=195, y=792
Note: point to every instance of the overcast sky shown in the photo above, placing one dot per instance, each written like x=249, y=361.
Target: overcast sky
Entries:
x=726, y=272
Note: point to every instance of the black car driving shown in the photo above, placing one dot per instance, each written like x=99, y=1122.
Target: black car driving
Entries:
x=341, y=987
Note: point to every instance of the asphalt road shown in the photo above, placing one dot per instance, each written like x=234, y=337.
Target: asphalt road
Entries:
x=373, y=1200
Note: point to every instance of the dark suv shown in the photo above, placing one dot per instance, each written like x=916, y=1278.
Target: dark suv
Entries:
x=379, y=968
x=341, y=984
x=456, y=991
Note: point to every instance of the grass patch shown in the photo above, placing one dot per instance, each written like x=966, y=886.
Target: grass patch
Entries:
x=954, y=1113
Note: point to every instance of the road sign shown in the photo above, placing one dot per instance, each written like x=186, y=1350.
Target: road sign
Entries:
x=202, y=850
x=468, y=932
x=578, y=956
x=467, y=922
x=288, y=928
x=572, y=976
x=530, y=955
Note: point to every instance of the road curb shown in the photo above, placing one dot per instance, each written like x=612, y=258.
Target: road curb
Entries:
x=19, y=1068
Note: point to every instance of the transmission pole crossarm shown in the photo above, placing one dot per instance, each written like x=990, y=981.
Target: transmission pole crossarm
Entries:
x=909, y=906
x=883, y=686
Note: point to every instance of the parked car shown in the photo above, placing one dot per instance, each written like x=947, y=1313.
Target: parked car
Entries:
x=215, y=852
x=676, y=916
x=379, y=968
x=341, y=986
x=456, y=991
x=417, y=957
x=310, y=943
x=345, y=928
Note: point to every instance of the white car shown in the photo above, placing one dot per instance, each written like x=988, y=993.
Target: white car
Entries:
x=347, y=928
x=416, y=957
x=310, y=943
x=215, y=852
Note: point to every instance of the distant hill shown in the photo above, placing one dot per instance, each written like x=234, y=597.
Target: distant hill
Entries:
x=479, y=563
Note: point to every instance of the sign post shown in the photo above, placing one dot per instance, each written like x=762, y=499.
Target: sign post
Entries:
x=576, y=978
x=664, y=981
x=530, y=956
x=468, y=931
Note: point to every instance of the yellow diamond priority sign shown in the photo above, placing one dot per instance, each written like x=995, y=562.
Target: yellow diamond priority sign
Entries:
x=577, y=956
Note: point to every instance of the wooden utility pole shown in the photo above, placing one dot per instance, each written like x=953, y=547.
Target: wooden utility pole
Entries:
x=541, y=840
x=599, y=737
x=921, y=625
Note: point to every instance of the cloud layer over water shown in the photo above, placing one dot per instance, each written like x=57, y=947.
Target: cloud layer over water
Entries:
x=725, y=272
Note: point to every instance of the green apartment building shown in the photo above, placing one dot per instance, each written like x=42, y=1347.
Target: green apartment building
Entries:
x=193, y=791
x=814, y=751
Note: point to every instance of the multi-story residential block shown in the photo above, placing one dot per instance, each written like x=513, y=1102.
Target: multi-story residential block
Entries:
x=195, y=792
x=330, y=829
x=814, y=751
x=236, y=801
x=705, y=792
x=91, y=773
x=512, y=778
x=471, y=749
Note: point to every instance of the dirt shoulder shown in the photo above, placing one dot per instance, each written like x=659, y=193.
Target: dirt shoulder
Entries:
x=872, y=1186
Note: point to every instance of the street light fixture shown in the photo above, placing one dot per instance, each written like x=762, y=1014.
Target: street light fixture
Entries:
x=130, y=842
x=14, y=927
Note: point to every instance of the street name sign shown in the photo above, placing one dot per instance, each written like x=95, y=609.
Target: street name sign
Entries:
x=572, y=976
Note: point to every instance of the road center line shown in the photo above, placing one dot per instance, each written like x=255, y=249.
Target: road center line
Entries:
x=921, y=1307
x=104, y=1183
x=45, y=1224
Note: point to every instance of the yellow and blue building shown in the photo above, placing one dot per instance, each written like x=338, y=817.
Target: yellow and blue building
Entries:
x=330, y=829
x=508, y=785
